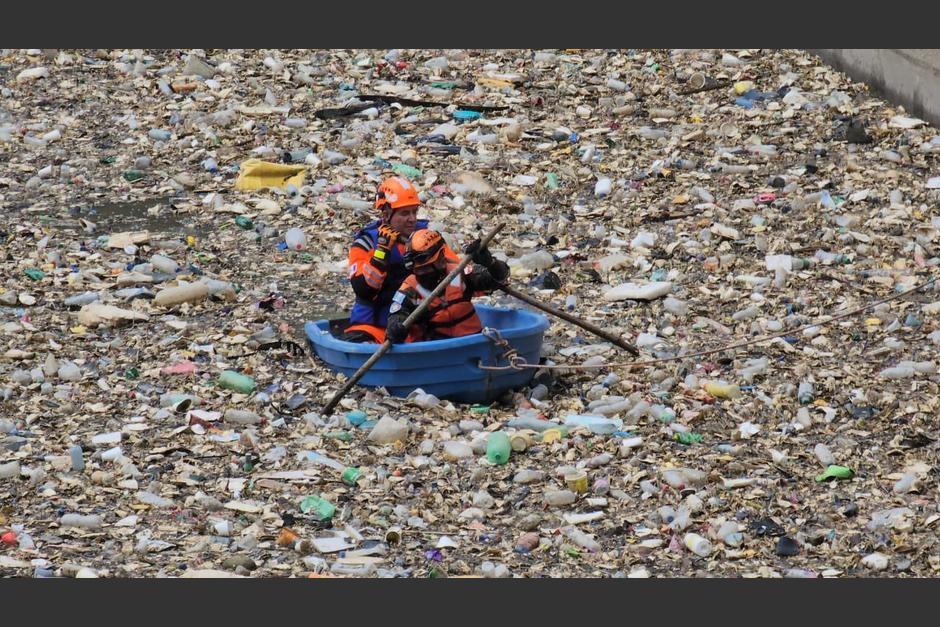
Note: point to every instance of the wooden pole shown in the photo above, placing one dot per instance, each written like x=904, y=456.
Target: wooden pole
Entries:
x=587, y=326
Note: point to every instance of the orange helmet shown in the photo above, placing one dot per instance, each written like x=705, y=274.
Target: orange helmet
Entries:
x=396, y=193
x=424, y=247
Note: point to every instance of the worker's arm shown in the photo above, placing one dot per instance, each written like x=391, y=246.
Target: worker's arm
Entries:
x=368, y=264
x=405, y=301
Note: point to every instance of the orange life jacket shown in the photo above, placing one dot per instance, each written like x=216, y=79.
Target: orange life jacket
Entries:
x=451, y=315
x=377, y=333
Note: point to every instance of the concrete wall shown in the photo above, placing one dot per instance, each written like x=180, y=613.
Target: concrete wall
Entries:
x=904, y=76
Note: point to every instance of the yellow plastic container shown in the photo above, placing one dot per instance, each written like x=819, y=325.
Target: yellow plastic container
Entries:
x=257, y=174
x=722, y=390
x=577, y=481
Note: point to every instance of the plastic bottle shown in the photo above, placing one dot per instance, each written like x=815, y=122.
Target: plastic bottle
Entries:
x=899, y=372
x=558, y=498
x=425, y=400
x=321, y=508
x=10, y=470
x=922, y=367
x=154, y=500
x=296, y=239
x=596, y=424
x=681, y=520
x=611, y=262
x=69, y=371
x=351, y=476
x=78, y=463
x=159, y=134
x=498, y=448
x=616, y=85
x=220, y=289
x=181, y=294
x=805, y=393
x=570, y=302
x=78, y=520
x=603, y=187
x=581, y=539
x=241, y=417
x=164, y=264
x=753, y=367
x=353, y=204
x=531, y=422
x=824, y=455
x=33, y=140
x=675, y=306
x=455, y=450
x=112, y=454
x=652, y=133
x=112, y=437
x=722, y=390
x=297, y=156
x=528, y=476
x=319, y=458
x=662, y=413
x=681, y=478
x=21, y=377
x=236, y=381
x=698, y=545
x=904, y=484
x=662, y=113
x=79, y=300
x=179, y=402
x=746, y=314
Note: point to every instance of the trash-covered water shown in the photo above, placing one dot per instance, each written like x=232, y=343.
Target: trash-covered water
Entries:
x=161, y=409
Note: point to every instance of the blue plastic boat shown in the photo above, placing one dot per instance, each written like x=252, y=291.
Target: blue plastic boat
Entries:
x=445, y=368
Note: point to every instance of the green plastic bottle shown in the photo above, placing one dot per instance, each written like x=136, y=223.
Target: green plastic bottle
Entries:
x=351, y=475
x=321, y=508
x=498, y=448
x=836, y=472
x=688, y=438
x=236, y=381
x=406, y=170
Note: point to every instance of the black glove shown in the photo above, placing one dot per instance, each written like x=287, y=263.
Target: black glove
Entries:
x=499, y=270
x=395, y=332
x=484, y=280
x=481, y=254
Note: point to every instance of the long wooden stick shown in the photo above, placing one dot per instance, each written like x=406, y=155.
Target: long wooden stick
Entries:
x=587, y=326
x=708, y=86
x=387, y=344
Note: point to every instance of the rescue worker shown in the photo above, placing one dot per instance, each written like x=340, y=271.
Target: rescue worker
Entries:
x=376, y=259
x=452, y=314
